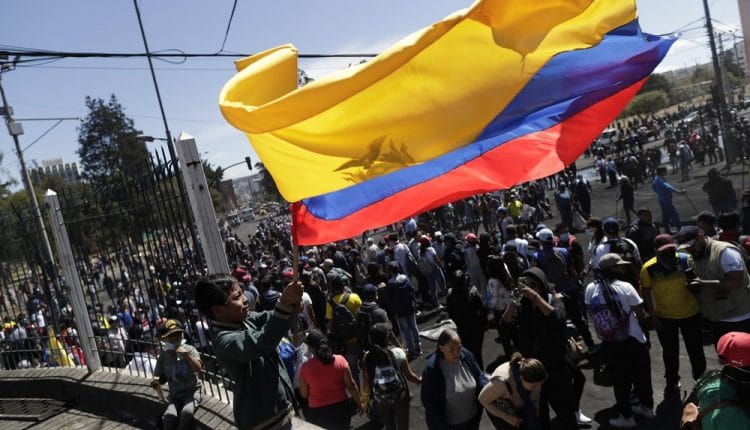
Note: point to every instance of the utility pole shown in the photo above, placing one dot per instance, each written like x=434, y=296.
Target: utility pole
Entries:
x=15, y=129
x=721, y=102
x=170, y=142
x=744, y=7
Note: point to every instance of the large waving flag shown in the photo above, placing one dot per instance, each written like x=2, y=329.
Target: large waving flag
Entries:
x=501, y=93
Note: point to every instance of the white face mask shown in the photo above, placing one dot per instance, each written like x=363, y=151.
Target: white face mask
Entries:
x=169, y=346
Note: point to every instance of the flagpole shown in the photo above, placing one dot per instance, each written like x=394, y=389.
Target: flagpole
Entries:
x=296, y=333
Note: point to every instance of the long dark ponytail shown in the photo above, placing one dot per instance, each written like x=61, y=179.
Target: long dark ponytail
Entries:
x=318, y=343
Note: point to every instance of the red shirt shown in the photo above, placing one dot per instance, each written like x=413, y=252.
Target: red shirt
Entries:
x=326, y=382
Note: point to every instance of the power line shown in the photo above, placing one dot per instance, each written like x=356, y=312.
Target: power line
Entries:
x=229, y=25
x=47, y=55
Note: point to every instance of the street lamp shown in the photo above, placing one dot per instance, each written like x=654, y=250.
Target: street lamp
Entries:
x=146, y=138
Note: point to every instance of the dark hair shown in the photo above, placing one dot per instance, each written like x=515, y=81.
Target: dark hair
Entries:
x=378, y=354
x=530, y=369
x=447, y=336
x=213, y=290
x=318, y=343
x=729, y=221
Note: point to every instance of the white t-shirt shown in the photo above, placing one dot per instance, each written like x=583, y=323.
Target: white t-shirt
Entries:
x=628, y=297
x=142, y=362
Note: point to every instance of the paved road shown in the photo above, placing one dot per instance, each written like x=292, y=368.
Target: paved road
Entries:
x=598, y=399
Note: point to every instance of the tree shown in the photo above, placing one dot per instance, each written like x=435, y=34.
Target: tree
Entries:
x=214, y=176
x=647, y=103
x=656, y=82
x=108, y=140
x=267, y=182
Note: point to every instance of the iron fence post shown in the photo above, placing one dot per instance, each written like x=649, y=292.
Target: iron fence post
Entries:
x=67, y=261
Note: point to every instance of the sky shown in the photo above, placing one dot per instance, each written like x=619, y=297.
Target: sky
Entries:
x=190, y=90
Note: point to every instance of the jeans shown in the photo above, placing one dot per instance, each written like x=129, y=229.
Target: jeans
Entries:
x=669, y=216
x=436, y=282
x=669, y=337
x=410, y=332
x=629, y=364
x=180, y=411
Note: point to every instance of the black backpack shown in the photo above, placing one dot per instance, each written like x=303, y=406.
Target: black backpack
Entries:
x=364, y=319
x=345, y=326
x=626, y=251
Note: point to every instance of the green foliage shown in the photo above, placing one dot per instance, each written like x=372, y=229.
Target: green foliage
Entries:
x=647, y=103
x=656, y=82
x=108, y=140
x=214, y=176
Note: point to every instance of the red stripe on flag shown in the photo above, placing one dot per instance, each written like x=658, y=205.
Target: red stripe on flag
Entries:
x=523, y=159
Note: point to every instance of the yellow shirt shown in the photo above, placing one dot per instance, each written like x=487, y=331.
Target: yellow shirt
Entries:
x=514, y=208
x=671, y=296
x=352, y=304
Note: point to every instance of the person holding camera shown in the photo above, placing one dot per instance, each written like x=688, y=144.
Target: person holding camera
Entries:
x=539, y=317
x=673, y=309
x=722, y=283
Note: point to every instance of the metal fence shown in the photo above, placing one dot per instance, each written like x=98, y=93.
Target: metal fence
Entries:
x=132, y=240
x=33, y=303
x=133, y=245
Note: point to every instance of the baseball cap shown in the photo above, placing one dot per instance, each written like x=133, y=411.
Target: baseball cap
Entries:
x=734, y=349
x=545, y=235
x=610, y=225
x=686, y=236
x=171, y=327
x=610, y=260
x=644, y=209
x=369, y=292
x=663, y=242
x=471, y=238
x=425, y=240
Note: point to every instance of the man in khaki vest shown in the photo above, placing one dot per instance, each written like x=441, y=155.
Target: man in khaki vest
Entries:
x=722, y=283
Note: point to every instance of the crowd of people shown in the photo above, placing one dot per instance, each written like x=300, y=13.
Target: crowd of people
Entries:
x=333, y=332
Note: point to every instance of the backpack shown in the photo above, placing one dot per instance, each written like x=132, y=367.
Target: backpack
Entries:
x=424, y=266
x=611, y=322
x=345, y=325
x=411, y=263
x=555, y=268
x=388, y=383
x=626, y=250
x=364, y=322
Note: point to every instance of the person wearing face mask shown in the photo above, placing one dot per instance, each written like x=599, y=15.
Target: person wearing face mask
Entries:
x=673, y=309
x=451, y=383
x=722, y=283
x=177, y=365
x=512, y=395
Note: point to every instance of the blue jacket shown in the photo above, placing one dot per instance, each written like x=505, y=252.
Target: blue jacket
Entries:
x=433, y=387
x=663, y=190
